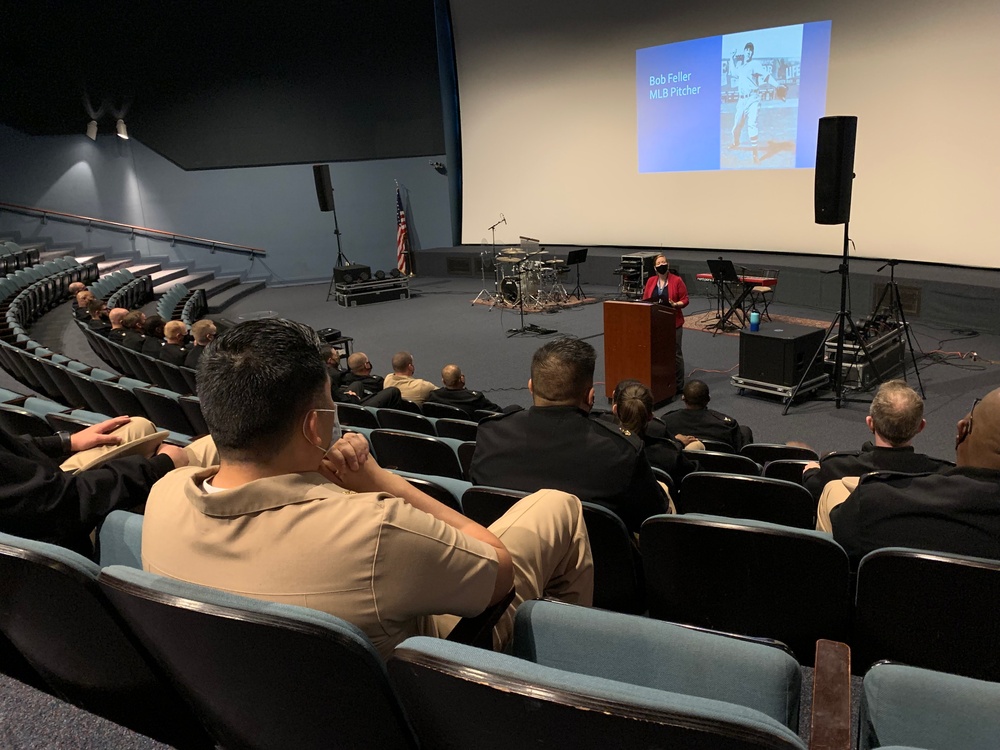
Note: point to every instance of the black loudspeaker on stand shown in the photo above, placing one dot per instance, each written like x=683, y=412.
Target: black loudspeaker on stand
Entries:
x=324, y=194
x=835, y=142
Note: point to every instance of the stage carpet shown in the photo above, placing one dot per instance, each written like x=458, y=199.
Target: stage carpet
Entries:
x=704, y=322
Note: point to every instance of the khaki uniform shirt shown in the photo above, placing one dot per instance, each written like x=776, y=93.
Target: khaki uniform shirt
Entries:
x=368, y=558
x=412, y=389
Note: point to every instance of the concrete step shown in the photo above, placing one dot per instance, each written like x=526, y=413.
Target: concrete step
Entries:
x=39, y=246
x=191, y=281
x=167, y=274
x=144, y=269
x=105, y=267
x=90, y=258
x=56, y=252
x=216, y=286
x=224, y=299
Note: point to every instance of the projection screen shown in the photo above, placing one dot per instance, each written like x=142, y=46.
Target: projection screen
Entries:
x=556, y=134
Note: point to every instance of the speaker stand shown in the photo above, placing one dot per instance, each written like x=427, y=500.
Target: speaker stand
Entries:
x=341, y=258
x=841, y=321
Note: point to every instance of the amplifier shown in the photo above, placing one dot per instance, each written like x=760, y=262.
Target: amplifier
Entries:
x=635, y=269
x=886, y=357
x=352, y=273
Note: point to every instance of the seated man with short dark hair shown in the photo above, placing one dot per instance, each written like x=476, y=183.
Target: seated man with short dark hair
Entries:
x=556, y=444
x=456, y=394
x=297, y=514
x=956, y=511
x=895, y=417
x=697, y=420
x=133, y=324
x=97, y=311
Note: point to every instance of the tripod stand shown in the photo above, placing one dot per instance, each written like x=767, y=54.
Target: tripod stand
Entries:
x=841, y=321
x=891, y=289
x=522, y=293
x=485, y=293
x=341, y=258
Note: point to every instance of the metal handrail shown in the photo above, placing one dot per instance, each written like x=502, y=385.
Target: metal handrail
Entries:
x=133, y=230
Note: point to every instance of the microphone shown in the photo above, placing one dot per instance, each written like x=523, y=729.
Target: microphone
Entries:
x=504, y=218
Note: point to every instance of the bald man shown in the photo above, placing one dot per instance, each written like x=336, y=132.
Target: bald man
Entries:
x=117, y=317
x=413, y=389
x=359, y=385
x=956, y=511
x=455, y=393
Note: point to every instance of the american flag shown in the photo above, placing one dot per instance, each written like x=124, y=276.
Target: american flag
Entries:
x=402, y=259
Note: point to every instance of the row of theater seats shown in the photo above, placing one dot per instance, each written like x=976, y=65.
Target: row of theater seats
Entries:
x=180, y=303
x=193, y=666
x=30, y=292
x=124, y=289
x=14, y=257
x=180, y=380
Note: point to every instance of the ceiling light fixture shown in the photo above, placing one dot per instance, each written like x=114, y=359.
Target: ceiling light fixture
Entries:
x=92, y=130
x=120, y=129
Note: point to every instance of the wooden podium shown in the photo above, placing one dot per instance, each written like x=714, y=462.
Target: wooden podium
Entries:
x=639, y=342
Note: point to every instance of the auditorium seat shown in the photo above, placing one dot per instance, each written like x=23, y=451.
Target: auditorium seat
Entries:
x=54, y=613
x=730, y=463
x=409, y=451
x=928, y=609
x=262, y=675
x=764, y=452
x=748, y=577
x=353, y=415
x=737, y=496
x=582, y=677
x=484, y=505
x=789, y=469
x=443, y=411
x=906, y=706
x=395, y=419
x=618, y=574
x=457, y=429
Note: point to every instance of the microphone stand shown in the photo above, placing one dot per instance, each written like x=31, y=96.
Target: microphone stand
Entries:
x=896, y=309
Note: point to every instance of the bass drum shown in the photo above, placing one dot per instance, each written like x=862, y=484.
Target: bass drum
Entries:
x=510, y=290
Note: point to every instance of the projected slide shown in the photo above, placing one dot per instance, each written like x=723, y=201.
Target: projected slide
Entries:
x=749, y=100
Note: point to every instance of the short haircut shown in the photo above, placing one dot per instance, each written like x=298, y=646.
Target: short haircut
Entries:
x=95, y=306
x=154, y=326
x=633, y=405
x=201, y=330
x=117, y=315
x=76, y=287
x=563, y=370
x=451, y=376
x=401, y=360
x=696, y=393
x=255, y=383
x=84, y=294
x=896, y=412
x=356, y=362
x=748, y=46
x=174, y=329
x=133, y=321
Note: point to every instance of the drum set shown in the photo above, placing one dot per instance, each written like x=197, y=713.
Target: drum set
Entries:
x=523, y=279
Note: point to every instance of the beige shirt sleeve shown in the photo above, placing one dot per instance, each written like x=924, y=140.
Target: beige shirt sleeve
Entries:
x=423, y=566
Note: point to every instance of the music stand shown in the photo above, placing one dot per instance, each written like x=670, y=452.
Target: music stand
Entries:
x=575, y=258
x=723, y=274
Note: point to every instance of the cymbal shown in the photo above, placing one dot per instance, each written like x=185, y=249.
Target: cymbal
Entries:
x=538, y=252
x=510, y=259
x=511, y=251
x=554, y=262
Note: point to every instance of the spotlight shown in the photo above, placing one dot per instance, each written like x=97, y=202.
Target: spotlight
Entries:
x=394, y=273
x=120, y=129
x=92, y=130
x=348, y=278
x=380, y=275
x=365, y=276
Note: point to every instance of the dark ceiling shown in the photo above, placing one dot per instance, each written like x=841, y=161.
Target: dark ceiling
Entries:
x=284, y=82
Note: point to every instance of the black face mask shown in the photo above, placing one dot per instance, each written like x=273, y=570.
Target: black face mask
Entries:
x=662, y=269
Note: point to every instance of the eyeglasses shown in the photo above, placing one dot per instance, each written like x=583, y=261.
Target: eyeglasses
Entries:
x=965, y=424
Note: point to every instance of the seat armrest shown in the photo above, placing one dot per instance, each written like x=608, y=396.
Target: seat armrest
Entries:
x=831, y=706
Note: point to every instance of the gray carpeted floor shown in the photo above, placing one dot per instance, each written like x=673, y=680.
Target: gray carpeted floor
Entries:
x=438, y=325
